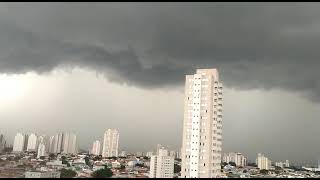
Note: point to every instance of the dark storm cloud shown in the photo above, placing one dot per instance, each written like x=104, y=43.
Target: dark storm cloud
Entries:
x=269, y=45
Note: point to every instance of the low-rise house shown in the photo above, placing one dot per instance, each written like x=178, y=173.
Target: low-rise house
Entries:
x=42, y=174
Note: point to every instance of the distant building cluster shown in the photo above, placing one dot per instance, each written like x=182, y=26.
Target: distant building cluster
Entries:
x=282, y=164
x=236, y=157
x=65, y=143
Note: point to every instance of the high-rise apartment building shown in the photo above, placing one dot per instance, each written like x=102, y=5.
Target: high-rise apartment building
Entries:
x=161, y=165
x=287, y=164
x=123, y=154
x=263, y=162
x=19, y=142
x=149, y=154
x=202, y=126
x=159, y=146
x=26, y=140
x=2, y=143
x=41, y=150
x=51, y=144
x=236, y=157
x=110, y=143
x=57, y=143
x=283, y=164
x=96, y=147
x=32, y=143
x=69, y=143
x=172, y=153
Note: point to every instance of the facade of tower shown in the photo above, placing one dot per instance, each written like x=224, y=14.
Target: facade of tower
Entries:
x=110, y=143
x=32, y=143
x=161, y=165
x=19, y=142
x=96, y=148
x=2, y=143
x=69, y=144
x=263, y=162
x=41, y=150
x=57, y=143
x=202, y=126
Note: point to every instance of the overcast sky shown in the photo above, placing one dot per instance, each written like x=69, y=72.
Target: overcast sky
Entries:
x=86, y=67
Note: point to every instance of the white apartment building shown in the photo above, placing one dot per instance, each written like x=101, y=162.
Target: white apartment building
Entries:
x=159, y=146
x=282, y=164
x=110, y=143
x=57, y=143
x=32, y=143
x=178, y=155
x=149, y=154
x=172, y=153
x=287, y=164
x=42, y=174
x=123, y=154
x=2, y=143
x=96, y=146
x=41, y=150
x=51, y=144
x=263, y=162
x=19, y=142
x=236, y=157
x=202, y=126
x=69, y=143
x=161, y=165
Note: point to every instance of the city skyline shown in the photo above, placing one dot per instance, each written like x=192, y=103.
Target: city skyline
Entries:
x=123, y=65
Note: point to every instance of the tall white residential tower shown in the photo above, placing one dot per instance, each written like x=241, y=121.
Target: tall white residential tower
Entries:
x=69, y=143
x=202, y=126
x=263, y=162
x=96, y=146
x=32, y=143
x=110, y=143
x=19, y=142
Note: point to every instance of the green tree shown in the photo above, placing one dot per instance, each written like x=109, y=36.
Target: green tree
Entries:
x=102, y=173
x=67, y=173
x=139, y=165
x=277, y=168
x=252, y=164
x=87, y=160
x=97, y=158
x=51, y=156
x=264, y=171
x=122, y=167
x=224, y=164
x=233, y=164
x=176, y=168
x=65, y=161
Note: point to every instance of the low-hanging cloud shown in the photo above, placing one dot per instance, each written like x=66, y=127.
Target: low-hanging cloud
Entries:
x=254, y=46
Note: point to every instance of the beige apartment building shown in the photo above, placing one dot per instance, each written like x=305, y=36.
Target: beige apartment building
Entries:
x=110, y=143
x=202, y=126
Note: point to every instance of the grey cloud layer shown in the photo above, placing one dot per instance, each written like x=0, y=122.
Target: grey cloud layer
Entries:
x=271, y=45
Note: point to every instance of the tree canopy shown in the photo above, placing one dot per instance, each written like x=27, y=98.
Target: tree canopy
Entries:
x=67, y=173
x=177, y=168
x=102, y=173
